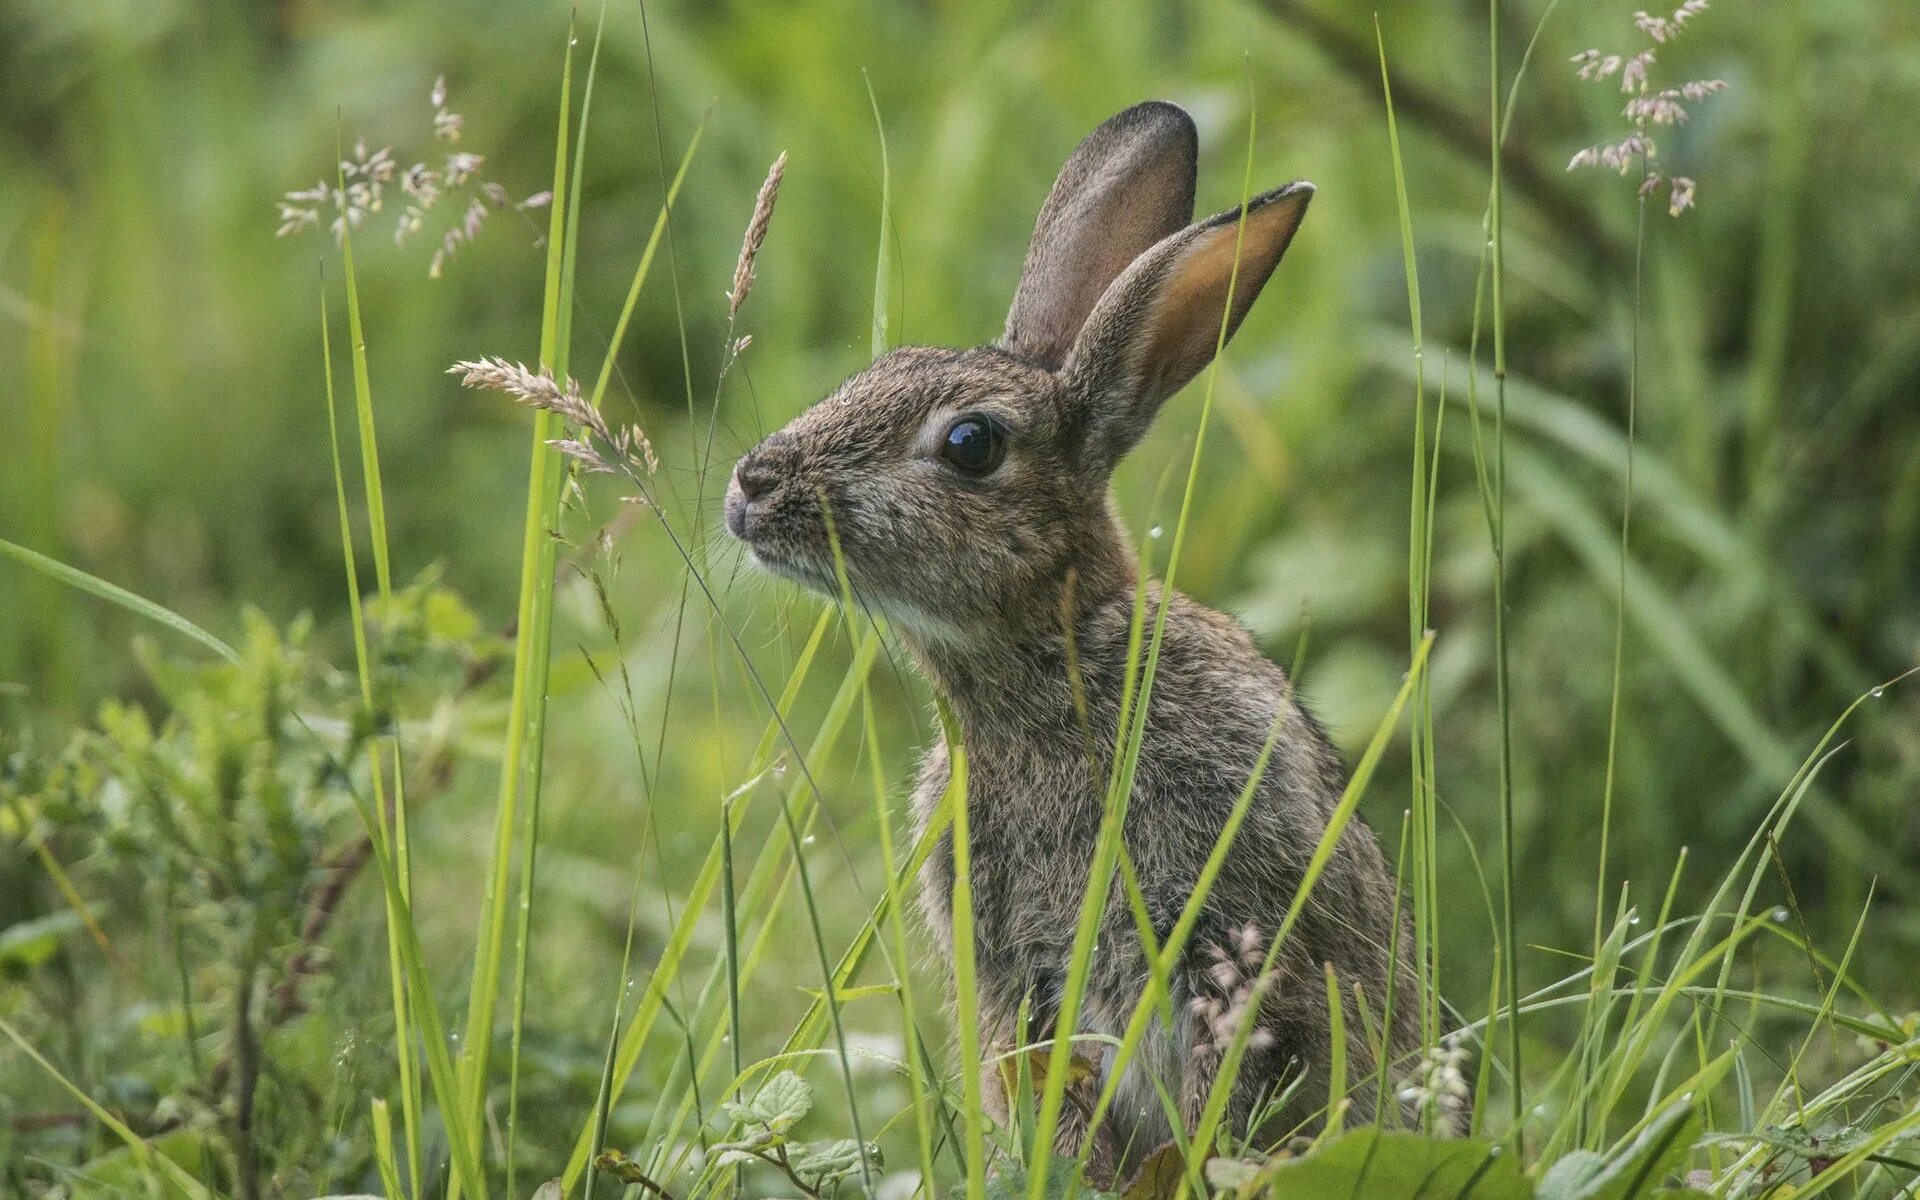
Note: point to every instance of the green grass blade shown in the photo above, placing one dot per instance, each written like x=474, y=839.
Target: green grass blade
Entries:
x=526, y=715
x=93, y=585
x=966, y=999
x=882, y=268
x=555, y=340
x=410, y=1099
x=171, y=1171
x=1419, y=595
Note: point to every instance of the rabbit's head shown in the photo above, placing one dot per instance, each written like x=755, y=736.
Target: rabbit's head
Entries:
x=963, y=485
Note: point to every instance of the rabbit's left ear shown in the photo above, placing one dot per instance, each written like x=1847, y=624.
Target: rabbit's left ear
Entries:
x=1129, y=184
x=1162, y=320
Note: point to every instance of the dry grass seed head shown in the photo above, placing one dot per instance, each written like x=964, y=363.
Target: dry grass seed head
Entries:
x=756, y=236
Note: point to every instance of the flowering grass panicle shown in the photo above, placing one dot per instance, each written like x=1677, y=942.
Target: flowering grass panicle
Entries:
x=365, y=178
x=1647, y=107
x=628, y=444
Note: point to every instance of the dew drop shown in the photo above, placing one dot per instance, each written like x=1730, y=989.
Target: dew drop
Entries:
x=1877, y=692
x=807, y=840
x=1780, y=916
x=1633, y=919
x=1155, y=532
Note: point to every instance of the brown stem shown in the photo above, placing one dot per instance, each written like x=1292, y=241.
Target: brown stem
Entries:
x=245, y=1056
x=284, y=1001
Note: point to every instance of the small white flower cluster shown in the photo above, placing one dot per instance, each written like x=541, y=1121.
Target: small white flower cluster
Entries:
x=1239, y=986
x=1647, y=106
x=1662, y=29
x=1439, y=1081
x=365, y=177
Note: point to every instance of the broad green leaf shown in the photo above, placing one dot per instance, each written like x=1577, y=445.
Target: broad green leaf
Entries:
x=831, y=1162
x=1570, y=1177
x=1400, y=1166
x=782, y=1101
x=1645, y=1164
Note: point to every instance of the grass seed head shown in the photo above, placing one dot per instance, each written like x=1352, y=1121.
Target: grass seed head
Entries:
x=756, y=236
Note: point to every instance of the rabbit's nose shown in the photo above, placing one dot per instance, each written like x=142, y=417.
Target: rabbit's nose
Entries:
x=754, y=476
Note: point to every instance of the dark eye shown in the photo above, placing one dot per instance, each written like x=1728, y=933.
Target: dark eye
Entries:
x=973, y=446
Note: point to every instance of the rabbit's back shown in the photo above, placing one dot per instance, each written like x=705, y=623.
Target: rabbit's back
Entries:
x=1037, y=780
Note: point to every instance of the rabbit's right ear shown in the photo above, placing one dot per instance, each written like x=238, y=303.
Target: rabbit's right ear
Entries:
x=1126, y=187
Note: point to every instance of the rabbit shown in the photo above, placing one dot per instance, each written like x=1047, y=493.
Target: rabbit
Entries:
x=968, y=491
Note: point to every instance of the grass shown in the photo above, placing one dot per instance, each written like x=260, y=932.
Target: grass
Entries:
x=635, y=1024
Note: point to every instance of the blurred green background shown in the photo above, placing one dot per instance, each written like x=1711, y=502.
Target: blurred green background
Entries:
x=164, y=415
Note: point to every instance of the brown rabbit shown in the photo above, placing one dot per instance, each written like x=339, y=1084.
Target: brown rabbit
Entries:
x=969, y=490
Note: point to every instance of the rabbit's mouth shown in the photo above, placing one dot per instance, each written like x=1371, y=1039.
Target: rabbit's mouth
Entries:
x=799, y=568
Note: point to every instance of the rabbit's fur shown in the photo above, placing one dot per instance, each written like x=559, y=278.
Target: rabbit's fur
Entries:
x=1120, y=303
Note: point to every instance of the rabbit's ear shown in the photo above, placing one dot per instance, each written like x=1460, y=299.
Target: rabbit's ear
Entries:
x=1160, y=323
x=1129, y=184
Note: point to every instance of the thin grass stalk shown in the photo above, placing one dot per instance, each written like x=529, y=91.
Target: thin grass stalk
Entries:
x=640, y=272
x=410, y=1100
x=1626, y=528
x=376, y=525
x=381, y=1119
x=1337, y=1069
x=966, y=1000
x=897, y=930
x=1419, y=593
x=1382, y=1048
x=640, y=1027
x=603, y=1096
x=413, y=1104
x=464, y=1150
x=1133, y=736
x=1503, y=699
x=1790, y=1081
x=526, y=714
x=1492, y=490
x=882, y=268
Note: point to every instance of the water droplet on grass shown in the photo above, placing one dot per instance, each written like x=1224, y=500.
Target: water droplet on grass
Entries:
x=1780, y=916
x=1155, y=532
x=1877, y=692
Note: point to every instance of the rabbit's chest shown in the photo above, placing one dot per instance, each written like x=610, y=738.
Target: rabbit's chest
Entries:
x=1033, y=832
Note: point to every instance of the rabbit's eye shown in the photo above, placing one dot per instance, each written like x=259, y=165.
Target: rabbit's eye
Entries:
x=973, y=446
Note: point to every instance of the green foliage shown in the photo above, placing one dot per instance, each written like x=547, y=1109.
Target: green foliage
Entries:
x=219, y=818
x=763, y=1133
x=674, y=990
